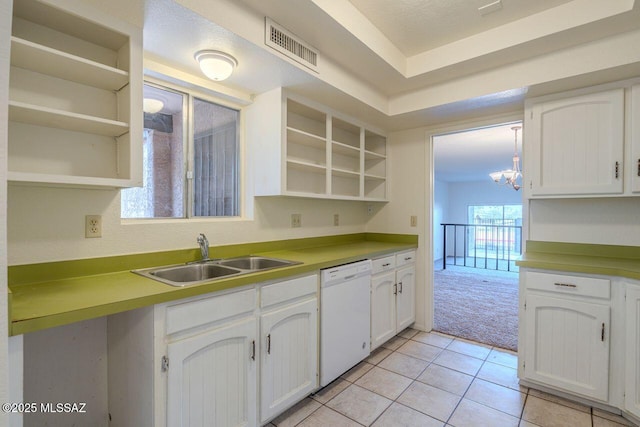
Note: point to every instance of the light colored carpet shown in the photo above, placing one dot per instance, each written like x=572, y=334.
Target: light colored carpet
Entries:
x=479, y=305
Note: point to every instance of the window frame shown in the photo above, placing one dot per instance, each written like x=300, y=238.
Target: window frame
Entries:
x=188, y=138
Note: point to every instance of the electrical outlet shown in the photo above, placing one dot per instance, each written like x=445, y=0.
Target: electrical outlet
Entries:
x=336, y=219
x=296, y=220
x=414, y=221
x=92, y=226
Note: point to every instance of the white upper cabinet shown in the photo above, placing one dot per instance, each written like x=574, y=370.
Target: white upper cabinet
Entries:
x=300, y=148
x=575, y=145
x=75, y=97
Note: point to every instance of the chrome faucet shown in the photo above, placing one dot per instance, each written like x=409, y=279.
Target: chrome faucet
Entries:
x=204, y=246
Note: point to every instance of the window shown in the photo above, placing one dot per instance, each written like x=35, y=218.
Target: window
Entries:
x=190, y=159
x=495, y=214
x=495, y=231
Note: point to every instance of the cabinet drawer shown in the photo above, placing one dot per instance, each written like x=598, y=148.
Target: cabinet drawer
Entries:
x=405, y=258
x=288, y=290
x=383, y=264
x=566, y=284
x=190, y=314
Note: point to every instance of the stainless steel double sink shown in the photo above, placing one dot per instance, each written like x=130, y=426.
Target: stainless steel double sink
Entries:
x=208, y=270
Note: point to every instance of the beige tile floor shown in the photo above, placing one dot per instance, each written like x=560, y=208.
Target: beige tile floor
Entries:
x=430, y=379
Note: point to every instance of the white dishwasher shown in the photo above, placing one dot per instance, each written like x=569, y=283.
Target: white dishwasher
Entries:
x=345, y=318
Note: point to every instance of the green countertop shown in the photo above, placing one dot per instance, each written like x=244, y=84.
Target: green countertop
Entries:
x=52, y=294
x=608, y=260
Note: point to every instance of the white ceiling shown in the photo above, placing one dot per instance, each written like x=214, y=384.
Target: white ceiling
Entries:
x=416, y=26
x=395, y=63
x=472, y=155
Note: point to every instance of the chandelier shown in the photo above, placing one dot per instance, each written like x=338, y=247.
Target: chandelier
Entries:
x=510, y=176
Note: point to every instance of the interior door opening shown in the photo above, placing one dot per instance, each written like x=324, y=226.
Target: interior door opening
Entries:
x=477, y=236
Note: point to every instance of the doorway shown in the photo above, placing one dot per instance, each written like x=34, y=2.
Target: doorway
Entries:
x=477, y=236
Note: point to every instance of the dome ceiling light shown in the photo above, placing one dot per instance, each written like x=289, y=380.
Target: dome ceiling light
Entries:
x=152, y=106
x=216, y=65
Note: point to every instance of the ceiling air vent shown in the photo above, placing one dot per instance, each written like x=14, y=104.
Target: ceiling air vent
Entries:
x=290, y=45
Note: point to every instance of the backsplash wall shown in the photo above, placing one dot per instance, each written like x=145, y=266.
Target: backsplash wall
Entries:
x=47, y=224
x=608, y=221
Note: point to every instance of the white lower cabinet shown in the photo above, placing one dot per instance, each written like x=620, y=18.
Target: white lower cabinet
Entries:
x=201, y=361
x=392, y=296
x=567, y=328
x=211, y=377
x=289, y=362
x=632, y=365
x=383, y=308
x=568, y=345
x=406, y=297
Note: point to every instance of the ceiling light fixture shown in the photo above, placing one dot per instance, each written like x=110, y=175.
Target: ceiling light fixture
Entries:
x=216, y=65
x=152, y=106
x=511, y=176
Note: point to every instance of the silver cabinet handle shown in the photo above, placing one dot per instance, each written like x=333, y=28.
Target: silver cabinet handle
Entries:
x=566, y=285
x=400, y=287
x=602, y=333
x=395, y=289
x=253, y=350
x=388, y=264
x=269, y=344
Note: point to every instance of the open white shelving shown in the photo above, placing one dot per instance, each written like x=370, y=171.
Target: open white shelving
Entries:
x=304, y=149
x=75, y=97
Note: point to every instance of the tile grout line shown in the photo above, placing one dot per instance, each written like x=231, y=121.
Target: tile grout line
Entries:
x=475, y=377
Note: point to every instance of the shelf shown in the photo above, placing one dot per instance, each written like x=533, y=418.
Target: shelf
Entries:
x=345, y=149
x=301, y=137
x=345, y=173
x=375, y=143
x=374, y=177
x=304, y=149
x=306, y=119
x=74, y=23
x=345, y=133
x=50, y=117
x=55, y=180
x=370, y=155
x=306, y=166
x=52, y=62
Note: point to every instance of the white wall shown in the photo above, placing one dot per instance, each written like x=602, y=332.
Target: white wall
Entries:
x=5, y=36
x=407, y=189
x=609, y=221
x=47, y=224
x=440, y=212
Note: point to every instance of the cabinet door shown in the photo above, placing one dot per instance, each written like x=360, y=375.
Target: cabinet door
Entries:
x=567, y=345
x=289, y=361
x=405, y=299
x=383, y=308
x=577, y=145
x=632, y=392
x=212, y=378
x=635, y=139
